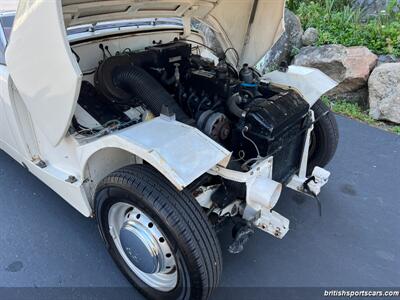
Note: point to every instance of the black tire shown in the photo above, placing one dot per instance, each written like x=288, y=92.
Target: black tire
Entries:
x=182, y=221
x=324, y=137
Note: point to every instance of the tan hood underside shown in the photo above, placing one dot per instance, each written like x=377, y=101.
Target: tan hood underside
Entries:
x=250, y=26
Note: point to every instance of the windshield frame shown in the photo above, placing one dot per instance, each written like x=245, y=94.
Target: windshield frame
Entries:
x=124, y=24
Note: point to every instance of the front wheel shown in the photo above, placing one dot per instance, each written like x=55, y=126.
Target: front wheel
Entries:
x=324, y=137
x=159, y=237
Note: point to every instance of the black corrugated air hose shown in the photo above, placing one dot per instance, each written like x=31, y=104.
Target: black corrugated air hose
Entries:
x=137, y=82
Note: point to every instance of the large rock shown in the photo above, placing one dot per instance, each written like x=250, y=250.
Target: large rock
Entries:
x=359, y=97
x=372, y=8
x=287, y=43
x=383, y=59
x=310, y=37
x=384, y=93
x=350, y=67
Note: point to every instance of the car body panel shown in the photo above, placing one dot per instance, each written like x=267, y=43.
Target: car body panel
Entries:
x=57, y=179
x=250, y=26
x=43, y=67
x=310, y=83
x=180, y=152
x=8, y=137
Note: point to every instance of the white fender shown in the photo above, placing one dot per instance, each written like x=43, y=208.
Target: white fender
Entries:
x=310, y=83
x=180, y=152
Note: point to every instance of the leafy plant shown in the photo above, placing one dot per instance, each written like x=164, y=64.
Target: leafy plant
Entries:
x=396, y=129
x=339, y=23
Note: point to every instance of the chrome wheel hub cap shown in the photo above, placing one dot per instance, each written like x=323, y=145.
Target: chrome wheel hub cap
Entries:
x=142, y=246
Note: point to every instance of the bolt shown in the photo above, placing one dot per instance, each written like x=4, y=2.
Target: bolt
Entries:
x=234, y=208
x=71, y=179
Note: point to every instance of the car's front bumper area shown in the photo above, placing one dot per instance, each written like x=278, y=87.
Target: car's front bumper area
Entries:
x=262, y=192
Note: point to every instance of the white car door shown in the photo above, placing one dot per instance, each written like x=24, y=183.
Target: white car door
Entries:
x=4, y=128
x=43, y=68
x=6, y=139
x=12, y=139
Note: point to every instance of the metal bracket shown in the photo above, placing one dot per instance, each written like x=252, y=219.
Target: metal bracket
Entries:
x=262, y=193
x=263, y=166
x=273, y=223
x=187, y=29
x=40, y=163
x=319, y=176
x=304, y=157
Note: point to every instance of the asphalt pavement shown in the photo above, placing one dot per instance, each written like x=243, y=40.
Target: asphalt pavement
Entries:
x=44, y=242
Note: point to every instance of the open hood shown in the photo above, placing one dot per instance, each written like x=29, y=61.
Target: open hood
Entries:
x=46, y=73
x=250, y=26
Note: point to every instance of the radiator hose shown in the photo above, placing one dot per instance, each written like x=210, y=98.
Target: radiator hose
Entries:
x=233, y=106
x=137, y=82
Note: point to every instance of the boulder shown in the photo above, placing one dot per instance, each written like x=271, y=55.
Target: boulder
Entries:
x=293, y=29
x=286, y=45
x=372, y=8
x=310, y=37
x=383, y=59
x=384, y=93
x=350, y=67
x=359, y=97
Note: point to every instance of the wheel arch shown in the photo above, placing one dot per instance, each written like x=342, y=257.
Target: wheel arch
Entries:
x=106, y=160
x=179, y=152
x=101, y=163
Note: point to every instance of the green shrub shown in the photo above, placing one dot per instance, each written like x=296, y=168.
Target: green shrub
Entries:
x=338, y=23
x=354, y=111
x=335, y=4
x=396, y=129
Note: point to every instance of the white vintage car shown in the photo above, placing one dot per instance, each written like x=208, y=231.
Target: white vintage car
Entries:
x=150, y=116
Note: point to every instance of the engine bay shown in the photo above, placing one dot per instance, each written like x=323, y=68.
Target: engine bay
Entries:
x=233, y=107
